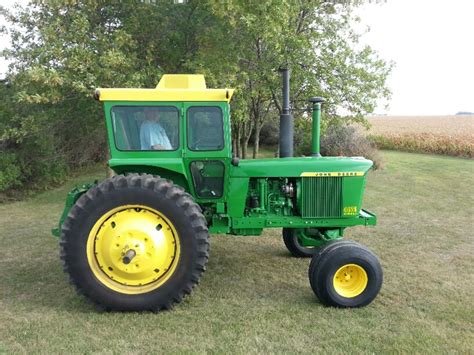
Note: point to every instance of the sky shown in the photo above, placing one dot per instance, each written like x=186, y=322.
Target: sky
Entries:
x=431, y=43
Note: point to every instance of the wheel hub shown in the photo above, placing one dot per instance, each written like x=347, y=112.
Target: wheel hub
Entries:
x=350, y=280
x=135, y=247
x=128, y=256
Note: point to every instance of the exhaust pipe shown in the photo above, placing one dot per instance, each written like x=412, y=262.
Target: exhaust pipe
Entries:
x=286, y=118
x=316, y=132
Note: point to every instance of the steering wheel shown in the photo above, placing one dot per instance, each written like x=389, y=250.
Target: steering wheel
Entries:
x=196, y=144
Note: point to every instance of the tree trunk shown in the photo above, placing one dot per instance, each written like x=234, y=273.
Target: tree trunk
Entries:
x=256, y=140
x=246, y=134
x=234, y=146
x=245, y=144
x=108, y=172
x=238, y=145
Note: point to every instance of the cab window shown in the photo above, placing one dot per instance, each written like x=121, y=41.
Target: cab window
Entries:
x=205, y=128
x=208, y=178
x=145, y=127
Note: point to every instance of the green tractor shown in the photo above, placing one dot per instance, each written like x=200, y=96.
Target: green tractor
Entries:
x=140, y=239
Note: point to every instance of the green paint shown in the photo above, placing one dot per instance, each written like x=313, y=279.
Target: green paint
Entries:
x=256, y=194
x=316, y=238
x=315, y=148
x=71, y=199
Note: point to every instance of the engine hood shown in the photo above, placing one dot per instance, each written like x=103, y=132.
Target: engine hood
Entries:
x=303, y=166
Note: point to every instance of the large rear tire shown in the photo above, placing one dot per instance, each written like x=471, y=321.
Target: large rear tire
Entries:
x=345, y=274
x=134, y=243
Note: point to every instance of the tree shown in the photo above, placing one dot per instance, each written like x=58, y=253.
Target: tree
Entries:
x=62, y=51
x=312, y=38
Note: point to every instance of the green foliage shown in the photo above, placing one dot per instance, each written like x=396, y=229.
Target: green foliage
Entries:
x=61, y=51
x=269, y=135
x=10, y=172
x=312, y=38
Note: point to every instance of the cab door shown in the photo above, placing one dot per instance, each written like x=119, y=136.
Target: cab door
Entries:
x=206, y=151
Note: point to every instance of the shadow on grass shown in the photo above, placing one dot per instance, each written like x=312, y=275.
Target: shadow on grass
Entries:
x=39, y=283
x=243, y=269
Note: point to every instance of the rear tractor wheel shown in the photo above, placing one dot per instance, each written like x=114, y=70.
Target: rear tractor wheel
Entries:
x=134, y=243
x=345, y=274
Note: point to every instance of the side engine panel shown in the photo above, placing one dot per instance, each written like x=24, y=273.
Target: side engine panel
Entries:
x=270, y=196
x=306, y=197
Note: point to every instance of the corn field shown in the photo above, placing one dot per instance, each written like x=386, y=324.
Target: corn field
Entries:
x=446, y=135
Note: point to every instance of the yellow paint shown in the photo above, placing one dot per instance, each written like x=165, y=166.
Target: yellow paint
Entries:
x=350, y=280
x=172, y=87
x=332, y=173
x=182, y=81
x=350, y=210
x=148, y=233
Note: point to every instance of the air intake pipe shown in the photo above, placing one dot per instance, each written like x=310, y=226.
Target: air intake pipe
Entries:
x=316, y=133
x=286, y=118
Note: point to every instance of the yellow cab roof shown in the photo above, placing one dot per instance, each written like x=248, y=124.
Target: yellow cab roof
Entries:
x=172, y=87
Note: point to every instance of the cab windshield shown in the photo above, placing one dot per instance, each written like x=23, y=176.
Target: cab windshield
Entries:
x=205, y=128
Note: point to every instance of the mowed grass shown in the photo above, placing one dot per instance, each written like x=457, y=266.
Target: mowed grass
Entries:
x=254, y=296
x=446, y=135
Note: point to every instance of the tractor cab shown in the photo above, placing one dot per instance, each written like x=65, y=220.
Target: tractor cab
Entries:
x=180, y=130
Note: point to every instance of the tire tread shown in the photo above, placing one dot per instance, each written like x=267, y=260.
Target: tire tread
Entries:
x=156, y=184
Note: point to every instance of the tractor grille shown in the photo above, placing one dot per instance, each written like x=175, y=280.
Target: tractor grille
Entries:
x=321, y=197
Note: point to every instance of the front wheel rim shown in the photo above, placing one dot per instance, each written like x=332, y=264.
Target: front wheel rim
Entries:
x=133, y=249
x=350, y=280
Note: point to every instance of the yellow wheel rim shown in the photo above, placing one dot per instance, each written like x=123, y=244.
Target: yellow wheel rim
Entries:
x=133, y=249
x=350, y=280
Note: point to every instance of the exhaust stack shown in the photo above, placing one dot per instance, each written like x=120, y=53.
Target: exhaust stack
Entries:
x=286, y=118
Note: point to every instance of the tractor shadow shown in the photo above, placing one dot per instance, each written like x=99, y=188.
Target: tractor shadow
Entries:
x=40, y=283
x=257, y=267
x=245, y=268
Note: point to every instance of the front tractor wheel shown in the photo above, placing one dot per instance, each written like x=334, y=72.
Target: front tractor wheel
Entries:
x=135, y=243
x=345, y=274
x=293, y=244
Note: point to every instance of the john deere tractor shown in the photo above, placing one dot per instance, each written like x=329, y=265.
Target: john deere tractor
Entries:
x=140, y=239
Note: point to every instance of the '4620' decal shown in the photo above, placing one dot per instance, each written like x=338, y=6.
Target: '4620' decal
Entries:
x=350, y=211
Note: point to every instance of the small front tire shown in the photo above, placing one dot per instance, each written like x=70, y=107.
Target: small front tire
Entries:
x=345, y=274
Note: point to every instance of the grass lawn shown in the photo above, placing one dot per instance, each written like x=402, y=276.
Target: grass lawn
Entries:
x=254, y=296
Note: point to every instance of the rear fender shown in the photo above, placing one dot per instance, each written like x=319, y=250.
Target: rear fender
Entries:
x=71, y=199
x=177, y=177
